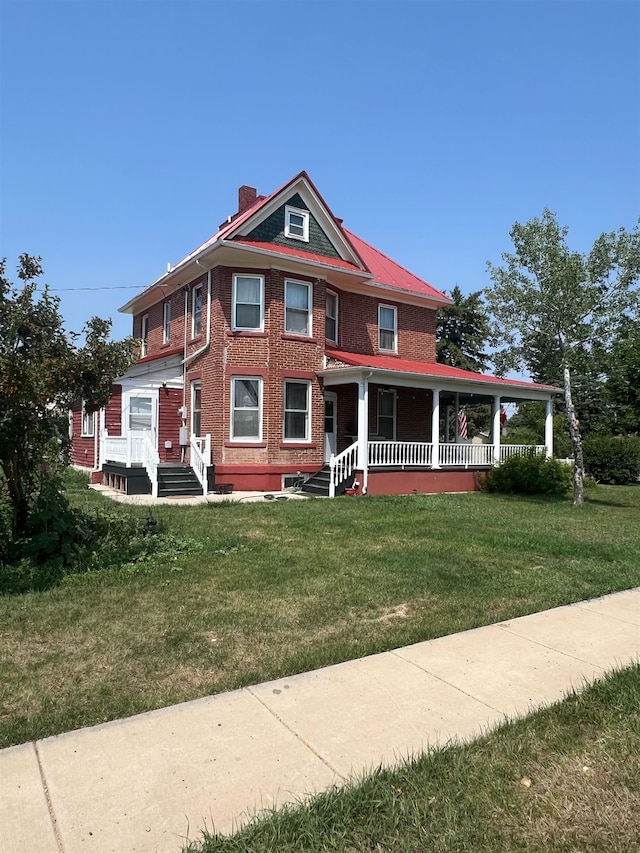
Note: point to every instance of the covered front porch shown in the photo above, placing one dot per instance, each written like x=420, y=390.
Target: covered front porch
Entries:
x=399, y=430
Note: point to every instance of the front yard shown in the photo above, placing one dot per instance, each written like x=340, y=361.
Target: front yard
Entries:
x=249, y=592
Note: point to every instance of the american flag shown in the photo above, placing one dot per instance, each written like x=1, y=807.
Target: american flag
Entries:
x=462, y=423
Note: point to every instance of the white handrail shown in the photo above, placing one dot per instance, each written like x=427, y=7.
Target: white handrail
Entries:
x=200, y=457
x=151, y=460
x=466, y=454
x=342, y=466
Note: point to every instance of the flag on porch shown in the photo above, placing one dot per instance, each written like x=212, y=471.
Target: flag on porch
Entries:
x=462, y=423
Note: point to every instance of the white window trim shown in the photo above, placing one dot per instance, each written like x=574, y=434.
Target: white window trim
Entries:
x=194, y=290
x=166, y=322
x=304, y=237
x=394, y=394
x=144, y=335
x=307, y=435
x=335, y=319
x=245, y=439
x=234, y=326
x=84, y=415
x=195, y=385
x=387, y=329
x=309, y=286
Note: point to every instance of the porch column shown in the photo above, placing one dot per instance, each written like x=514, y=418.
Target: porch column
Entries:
x=548, y=429
x=496, y=430
x=363, y=430
x=457, y=422
x=435, y=429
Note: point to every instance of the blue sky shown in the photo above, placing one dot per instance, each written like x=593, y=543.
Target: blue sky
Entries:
x=429, y=127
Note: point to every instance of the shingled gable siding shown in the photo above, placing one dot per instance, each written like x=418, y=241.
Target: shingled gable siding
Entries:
x=358, y=326
x=272, y=231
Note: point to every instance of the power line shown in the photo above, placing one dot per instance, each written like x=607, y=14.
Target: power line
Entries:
x=118, y=287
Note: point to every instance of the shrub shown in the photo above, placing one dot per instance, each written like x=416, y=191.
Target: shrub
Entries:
x=612, y=459
x=532, y=474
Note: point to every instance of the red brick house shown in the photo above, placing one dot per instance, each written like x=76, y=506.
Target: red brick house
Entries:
x=283, y=345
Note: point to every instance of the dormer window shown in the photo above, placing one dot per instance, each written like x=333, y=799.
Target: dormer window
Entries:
x=296, y=223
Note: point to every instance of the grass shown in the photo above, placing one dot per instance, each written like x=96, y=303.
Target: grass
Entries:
x=566, y=779
x=242, y=593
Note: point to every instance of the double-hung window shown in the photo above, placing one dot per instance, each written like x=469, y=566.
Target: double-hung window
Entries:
x=144, y=335
x=88, y=421
x=387, y=414
x=166, y=322
x=246, y=405
x=248, y=303
x=196, y=408
x=296, y=410
x=387, y=328
x=296, y=223
x=297, y=310
x=140, y=413
x=331, y=324
x=196, y=311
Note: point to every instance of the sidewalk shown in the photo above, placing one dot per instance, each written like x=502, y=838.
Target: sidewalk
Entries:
x=145, y=784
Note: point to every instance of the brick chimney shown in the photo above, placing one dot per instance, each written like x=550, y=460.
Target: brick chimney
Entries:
x=246, y=197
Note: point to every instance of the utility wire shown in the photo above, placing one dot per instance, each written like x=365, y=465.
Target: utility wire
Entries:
x=118, y=287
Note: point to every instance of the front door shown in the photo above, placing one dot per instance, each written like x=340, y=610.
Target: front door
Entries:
x=141, y=419
x=330, y=424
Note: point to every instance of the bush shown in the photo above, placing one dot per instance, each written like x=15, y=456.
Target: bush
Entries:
x=612, y=459
x=532, y=474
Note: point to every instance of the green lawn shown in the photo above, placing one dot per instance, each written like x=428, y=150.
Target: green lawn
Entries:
x=566, y=780
x=241, y=593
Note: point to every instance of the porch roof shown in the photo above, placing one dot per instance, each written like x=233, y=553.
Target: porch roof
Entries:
x=391, y=368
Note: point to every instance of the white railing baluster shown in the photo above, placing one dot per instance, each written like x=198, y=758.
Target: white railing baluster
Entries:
x=201, y=458
x=342, y=466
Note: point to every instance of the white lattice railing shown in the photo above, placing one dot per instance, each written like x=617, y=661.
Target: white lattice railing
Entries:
x=151, y=460
x=342, y=466
x=200, y=446
x=408, y=454
x=509, y=450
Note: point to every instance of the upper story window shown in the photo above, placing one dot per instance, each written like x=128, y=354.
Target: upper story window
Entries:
x=248, y=303
x=196, y=311
x=331, y=324
x=387, y=328
x=297, y=307
x=144, y=335
x=88, y=421
x=166, y=322
x=296, y=223
x=296, y=411
x=246, y=406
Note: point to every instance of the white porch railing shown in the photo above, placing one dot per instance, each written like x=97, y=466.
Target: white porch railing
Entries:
x=125, y=449
x=342, y=466
x=151, y=460
x=509, y=450
x=404, y=453
x=465, y=455
x=200, y=447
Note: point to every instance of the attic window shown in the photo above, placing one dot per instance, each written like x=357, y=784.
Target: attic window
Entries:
x=296, y=223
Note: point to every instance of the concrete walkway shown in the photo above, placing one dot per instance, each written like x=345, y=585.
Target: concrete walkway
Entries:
x=146, y=783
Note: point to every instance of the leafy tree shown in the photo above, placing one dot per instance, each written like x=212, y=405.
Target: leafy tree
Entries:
x=622, y=388
x=462, y=330
x=42, y=371
x=546, y=295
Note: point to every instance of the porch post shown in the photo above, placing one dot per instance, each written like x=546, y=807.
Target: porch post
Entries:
x=496, y=430
x=363, y=430
x=548, y=429
x=435, y=429
x=456, y=424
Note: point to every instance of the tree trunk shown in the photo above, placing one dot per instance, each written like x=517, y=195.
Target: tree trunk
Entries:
x=576, y=441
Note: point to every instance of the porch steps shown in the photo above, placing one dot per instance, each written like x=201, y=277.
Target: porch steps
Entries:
x=177, y=480
x=318, y=484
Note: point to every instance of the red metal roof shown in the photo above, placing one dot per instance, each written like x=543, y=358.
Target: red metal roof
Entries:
x=391, y=274
x=425, y=368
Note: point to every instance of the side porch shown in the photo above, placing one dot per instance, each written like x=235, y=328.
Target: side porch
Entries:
x=395, y=431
